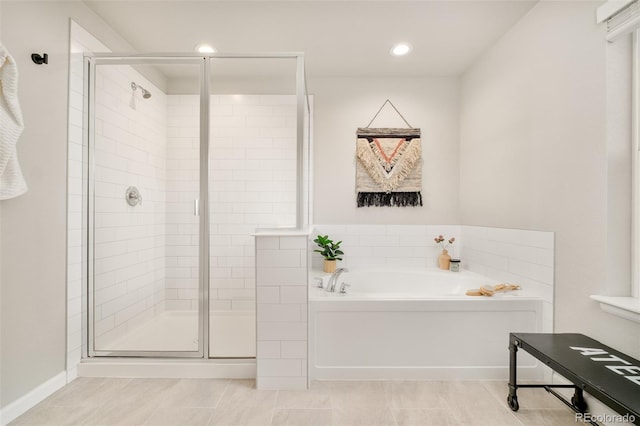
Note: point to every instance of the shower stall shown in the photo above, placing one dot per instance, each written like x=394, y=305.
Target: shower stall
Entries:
x=184, y=157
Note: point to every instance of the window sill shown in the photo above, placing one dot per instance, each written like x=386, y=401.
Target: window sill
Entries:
x=625, y=307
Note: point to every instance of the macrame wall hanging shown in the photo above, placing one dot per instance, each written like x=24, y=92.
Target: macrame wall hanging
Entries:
x=389, y=165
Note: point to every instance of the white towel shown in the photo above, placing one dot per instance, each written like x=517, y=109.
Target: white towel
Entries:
x=12, y=183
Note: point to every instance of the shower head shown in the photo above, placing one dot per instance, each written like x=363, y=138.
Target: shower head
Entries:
x=145, y=93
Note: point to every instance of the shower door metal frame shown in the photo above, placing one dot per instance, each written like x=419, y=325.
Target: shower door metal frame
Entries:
x=91, y=61
x=91, y=64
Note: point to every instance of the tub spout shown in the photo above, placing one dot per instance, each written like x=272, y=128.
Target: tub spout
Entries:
x=331, y=286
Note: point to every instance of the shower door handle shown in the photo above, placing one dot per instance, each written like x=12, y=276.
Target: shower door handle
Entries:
x=196, y=207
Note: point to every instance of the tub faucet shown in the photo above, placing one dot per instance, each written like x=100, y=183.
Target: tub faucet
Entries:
x=331, y=286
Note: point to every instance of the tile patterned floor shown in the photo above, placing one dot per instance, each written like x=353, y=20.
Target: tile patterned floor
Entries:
x=193, y=402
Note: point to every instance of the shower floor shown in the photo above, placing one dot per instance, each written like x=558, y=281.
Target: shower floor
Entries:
x=231, y=334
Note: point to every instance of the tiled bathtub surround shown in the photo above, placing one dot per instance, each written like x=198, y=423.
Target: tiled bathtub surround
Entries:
x=388, y=245
x=516, y=256
x=281, y=265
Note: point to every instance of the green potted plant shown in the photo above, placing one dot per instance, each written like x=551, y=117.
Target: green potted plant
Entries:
x=330, y=251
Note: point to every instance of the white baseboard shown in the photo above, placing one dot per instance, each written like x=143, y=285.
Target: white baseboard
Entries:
x=31, y=399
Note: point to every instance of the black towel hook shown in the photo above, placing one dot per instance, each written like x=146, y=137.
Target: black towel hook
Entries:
x=40, y=59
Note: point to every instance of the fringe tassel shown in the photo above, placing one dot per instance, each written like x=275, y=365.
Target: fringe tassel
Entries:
x=404, y=166
x=390, y=199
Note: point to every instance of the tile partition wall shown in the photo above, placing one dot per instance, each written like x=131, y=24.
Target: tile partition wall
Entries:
x=512, y=255
x=281, y=282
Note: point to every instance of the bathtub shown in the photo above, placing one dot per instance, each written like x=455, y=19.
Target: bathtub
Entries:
x=417, y=325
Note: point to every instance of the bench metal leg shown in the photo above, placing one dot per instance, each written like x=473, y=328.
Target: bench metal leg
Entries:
x=512, y=398
x=578, y=400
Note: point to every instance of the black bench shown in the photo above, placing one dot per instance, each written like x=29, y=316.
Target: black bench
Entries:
x=606, y=374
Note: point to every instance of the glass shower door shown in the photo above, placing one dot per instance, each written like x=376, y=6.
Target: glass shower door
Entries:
x=145, y=290
x=252, y=184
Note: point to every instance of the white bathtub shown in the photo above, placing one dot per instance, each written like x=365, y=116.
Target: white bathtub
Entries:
x=418, y=325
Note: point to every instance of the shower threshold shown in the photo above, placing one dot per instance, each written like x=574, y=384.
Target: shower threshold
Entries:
x=166, y=368
x=232, y=340
x=231, y=334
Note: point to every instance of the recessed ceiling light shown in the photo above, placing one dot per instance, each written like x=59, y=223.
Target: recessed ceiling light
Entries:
x=401, y=49
x=205, y=48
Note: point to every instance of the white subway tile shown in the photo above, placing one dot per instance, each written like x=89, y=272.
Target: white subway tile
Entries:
x=278, y=258
x=391, y=251
x=236, y=294
x=268, y=350
x=279, y=367
x=282, y=331
x=220, y=305
x=243, y=305
x=269, y=294
x=227, y=283
x=293, y=294
x=293, y=243
x=281, y=276
x=294, y=349
x=379, y=240
x=265, y=121
x=178, y=305
x=543, y=274
x=275, y=312
x=289, y=100
x=267, y=243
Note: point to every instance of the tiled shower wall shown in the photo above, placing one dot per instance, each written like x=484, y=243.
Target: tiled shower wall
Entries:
x=252, y=181
x=147, y=255
x=130, y=150
x=183, y=186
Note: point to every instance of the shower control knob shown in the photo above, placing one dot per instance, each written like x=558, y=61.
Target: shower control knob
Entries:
x=133, y=197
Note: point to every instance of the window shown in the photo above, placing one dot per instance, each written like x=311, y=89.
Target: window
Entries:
x=622, y=19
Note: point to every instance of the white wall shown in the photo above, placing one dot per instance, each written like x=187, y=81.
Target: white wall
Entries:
x=33, y=225
x=534, y=153
x=344, y=104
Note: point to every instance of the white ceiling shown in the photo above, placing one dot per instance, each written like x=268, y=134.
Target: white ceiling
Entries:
x=339, y=38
